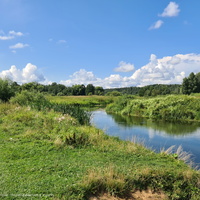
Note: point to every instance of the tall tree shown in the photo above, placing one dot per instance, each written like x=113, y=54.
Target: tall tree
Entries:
x=90, y=89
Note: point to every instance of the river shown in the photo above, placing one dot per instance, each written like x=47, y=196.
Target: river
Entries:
x=154, y=135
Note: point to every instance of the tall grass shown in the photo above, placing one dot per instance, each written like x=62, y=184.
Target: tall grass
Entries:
x=40, y=102
x=169, y=108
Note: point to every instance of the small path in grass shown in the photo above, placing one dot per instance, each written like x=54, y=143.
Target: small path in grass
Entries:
x=138, y=195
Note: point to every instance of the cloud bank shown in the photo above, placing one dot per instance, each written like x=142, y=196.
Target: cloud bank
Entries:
x=166, y=70
x=29, y=73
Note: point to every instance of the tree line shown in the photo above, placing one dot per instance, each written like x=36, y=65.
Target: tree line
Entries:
x=190, y=84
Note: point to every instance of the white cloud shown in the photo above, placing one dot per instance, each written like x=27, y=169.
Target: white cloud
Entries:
x=156, y=25
x=166, y=70
x=8, y=37
x=28, y=74
x=124, y=67
x=171, y=10
x=82, y=77
x=18, y=46
x=15, y=33
x=11, y=35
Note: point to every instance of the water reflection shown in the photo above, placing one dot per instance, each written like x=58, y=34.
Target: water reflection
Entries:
x=168, y=127
x=157, y=135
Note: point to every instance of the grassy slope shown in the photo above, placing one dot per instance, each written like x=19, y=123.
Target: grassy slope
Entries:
x=169, y=108
x=46, y=153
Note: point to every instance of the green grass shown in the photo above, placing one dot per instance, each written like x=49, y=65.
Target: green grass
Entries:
x=83, y=100
x=47, y=155
x=168, y=108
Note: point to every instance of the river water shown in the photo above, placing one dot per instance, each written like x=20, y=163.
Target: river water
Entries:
x=155, y=135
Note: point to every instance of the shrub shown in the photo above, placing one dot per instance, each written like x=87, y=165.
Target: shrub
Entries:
x=32, y=99
x=6, y=91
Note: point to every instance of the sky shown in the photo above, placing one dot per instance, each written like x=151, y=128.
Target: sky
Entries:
x=108, y=43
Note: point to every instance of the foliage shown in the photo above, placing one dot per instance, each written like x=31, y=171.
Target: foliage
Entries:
x=33, y=99
x=113, y=93
x=90, y=89
x=6, y=89
x=50, y=155
x=86, y=101
x=191, y=84
x=169, y=108
x=38, y=101
x=150, y=90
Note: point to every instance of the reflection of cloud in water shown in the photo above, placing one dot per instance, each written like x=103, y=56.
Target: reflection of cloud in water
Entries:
x=151, y=133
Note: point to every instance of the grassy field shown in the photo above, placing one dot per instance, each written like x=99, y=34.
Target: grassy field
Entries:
x=49, y=155
x=83, y=100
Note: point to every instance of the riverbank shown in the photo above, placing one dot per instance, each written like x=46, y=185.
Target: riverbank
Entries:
x=181, y=108
x=49, y=154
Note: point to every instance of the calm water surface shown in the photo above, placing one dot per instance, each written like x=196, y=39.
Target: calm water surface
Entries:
x=156, y=135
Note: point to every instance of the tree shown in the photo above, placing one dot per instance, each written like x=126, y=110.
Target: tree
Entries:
x=190, y=84
x=99, y=90
x=6, y=90
x=90, y=89
x=78, y=89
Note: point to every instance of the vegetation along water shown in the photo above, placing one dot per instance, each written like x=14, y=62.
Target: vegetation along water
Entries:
x=49, y=150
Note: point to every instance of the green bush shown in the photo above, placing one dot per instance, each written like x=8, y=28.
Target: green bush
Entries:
x=169, y=108
x=32, y=99
x=6, y=90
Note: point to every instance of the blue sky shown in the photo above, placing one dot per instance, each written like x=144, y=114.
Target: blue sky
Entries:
x=109, y=43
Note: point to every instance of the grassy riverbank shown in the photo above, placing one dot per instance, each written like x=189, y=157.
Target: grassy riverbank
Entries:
x=49, y=155
x=168, y=108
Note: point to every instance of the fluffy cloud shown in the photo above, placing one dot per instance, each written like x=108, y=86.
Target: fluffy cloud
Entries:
x=84, y=77
x=11, y=35
x=156, y=25
x=18, y=46
x=124, y=67
x=166, y=70
x=171, y=10
x=28, y=74
x=81, y=77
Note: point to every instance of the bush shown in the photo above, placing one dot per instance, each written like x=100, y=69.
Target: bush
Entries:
x=32, y=99
x=6, y=91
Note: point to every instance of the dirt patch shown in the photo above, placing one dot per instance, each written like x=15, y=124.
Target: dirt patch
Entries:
x=138, y=195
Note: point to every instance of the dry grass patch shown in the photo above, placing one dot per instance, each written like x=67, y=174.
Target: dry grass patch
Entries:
x=138, y=195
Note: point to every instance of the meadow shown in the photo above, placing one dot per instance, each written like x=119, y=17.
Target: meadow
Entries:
x=48, y=154
x=88, y=101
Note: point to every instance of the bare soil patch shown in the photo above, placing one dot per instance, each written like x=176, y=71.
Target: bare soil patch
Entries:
x=138, y=195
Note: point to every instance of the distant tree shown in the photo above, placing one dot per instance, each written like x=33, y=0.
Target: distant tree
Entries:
x=90, y=89
x=78, y=89
x=99, y=90
x=114, y=93
x=190, y=84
